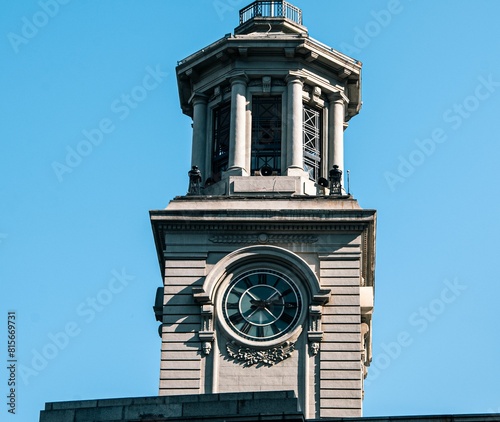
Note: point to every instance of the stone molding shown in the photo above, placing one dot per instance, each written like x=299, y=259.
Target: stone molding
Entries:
x=292, y=226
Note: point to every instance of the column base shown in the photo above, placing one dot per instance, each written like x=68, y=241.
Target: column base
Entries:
x=296, y=171
x=234, y=171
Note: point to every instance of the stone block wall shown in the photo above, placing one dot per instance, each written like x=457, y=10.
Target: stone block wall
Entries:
x=194, y=240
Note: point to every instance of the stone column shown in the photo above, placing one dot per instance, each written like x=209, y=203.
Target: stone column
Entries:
x=295, y=141
x=336, y=114
x=237, y=138
x=199, y=147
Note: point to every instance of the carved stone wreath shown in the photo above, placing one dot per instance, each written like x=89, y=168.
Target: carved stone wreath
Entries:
x=267, y=357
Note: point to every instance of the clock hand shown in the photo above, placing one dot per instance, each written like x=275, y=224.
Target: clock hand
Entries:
x=251, y=295
x=258, y=302
x=286, y=305
x=253, y=312
x=278, y=301
x=268, y=300
x=269, y=312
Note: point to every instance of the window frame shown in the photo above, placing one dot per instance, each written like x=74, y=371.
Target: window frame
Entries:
x=220, y=163
x=275, y=156
x=312, y=135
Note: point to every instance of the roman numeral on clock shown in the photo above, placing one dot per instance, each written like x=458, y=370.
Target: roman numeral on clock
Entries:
x=275, y=329
x=247, y=282
x=260, y=331
x=246, y=327
x=286, y=318
x=236, y=318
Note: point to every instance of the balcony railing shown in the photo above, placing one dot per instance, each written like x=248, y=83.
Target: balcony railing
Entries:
x=271, y=9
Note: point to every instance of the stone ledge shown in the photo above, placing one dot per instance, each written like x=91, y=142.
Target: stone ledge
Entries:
x=225, y=407
x=280, y=405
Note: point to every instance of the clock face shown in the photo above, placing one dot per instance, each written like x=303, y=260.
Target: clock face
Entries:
x=262, y=305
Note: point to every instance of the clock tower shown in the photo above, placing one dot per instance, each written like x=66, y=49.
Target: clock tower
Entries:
x=267, y=261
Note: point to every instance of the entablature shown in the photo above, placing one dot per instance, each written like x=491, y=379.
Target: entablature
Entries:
x=251, y=53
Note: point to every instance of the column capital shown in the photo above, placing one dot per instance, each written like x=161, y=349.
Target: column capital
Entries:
x=294, y=77
x=198, y=97
x=240, y=78
x=338, y=96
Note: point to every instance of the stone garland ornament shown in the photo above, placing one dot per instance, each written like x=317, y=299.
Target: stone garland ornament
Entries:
x=267, y=357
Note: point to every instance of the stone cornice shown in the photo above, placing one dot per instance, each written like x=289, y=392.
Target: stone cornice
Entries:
x=288, y=225
x=272, y=217
x=277, y=225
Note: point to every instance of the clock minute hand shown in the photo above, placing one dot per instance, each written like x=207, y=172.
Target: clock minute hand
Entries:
x=270, y=300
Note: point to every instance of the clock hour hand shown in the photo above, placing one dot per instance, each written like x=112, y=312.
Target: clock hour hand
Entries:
x=259, y=303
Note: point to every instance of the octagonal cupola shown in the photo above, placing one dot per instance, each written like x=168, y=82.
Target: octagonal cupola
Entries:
x=269, y=106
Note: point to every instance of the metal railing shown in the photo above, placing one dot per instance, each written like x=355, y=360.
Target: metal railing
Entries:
x=271, y=9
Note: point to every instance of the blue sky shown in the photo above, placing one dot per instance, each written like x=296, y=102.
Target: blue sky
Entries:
x=77, y=258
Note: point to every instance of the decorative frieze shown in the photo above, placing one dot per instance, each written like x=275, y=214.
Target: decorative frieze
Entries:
x=225, y=226
x=263, y=238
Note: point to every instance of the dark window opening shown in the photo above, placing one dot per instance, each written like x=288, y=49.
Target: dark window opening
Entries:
x=266, y=135
x=220, y=150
